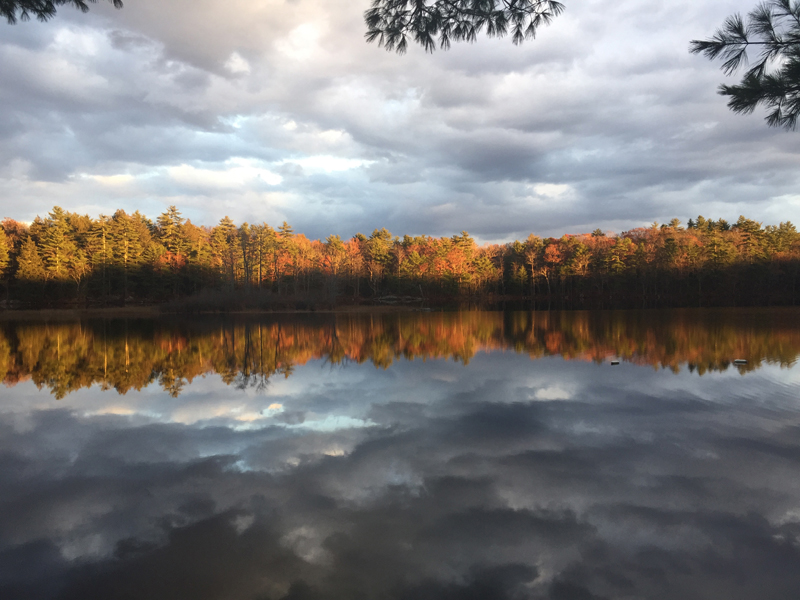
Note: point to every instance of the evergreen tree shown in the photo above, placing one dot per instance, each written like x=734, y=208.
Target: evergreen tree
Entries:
x=752, y=238
x=618, y=258
x=79, y=268
x=334, y=251
x=199, y=255
x=285, y=230
x=247, y=251
x=703, y=224
x=98, y=246
x=465, y=243
x=57, y=244
x=378, y=256
x=782, y=237
x=128, y=246
x=170, y=231
x=225, y=249
x=719, y=250
x=171, y=235
x=30, y=267
x=286, y=252
x=265, y=241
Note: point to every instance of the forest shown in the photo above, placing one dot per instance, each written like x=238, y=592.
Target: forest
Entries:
x=71, y=260
x=247, y=351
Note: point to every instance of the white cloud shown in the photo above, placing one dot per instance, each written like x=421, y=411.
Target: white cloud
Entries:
x=551, y=190
x=301, y=43
x=554, y=392
x=237, y=65
x=112, y=180
x=238, y=174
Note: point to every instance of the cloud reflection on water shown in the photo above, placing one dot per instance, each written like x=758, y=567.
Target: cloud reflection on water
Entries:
x=505, y=478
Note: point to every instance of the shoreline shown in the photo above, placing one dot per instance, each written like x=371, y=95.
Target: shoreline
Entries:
x=155, y=312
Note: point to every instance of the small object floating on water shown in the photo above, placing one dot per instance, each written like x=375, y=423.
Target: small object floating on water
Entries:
x=740, y=361
x=614, y=362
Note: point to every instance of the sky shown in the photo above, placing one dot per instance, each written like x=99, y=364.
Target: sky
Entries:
x=278, y=110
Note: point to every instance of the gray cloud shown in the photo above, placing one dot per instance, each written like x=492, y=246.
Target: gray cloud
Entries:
x=507, y=478
x=607, y=104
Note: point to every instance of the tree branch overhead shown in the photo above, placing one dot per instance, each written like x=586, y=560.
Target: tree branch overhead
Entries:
x=391, y=23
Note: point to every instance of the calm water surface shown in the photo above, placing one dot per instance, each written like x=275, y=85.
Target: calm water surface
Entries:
x=413, y=456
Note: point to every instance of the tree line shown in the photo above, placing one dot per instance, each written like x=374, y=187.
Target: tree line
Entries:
x=132, y=354
x=67, y=258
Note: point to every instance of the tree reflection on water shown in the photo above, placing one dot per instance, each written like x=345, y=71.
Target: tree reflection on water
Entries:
x=126, y=355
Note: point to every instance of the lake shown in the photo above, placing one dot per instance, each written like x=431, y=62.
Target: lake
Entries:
x=424, y=456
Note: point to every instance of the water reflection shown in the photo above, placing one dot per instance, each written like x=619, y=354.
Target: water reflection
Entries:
x=491, y=476
x=125, y=355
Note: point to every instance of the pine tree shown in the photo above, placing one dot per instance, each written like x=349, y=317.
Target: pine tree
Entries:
x=265, y=241
x=286, y=251
x=170, y=231
x=752, y=238
x=782, y=237
x=285, y=230
x=378, y=257
x=198, y=255
x=79, y=268
x=247, y=252
x=225, y=249
x=98, y=245
x=128, y=245
x=30, y=267
x=57, y=244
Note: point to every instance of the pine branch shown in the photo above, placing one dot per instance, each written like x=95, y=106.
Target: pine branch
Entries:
x=774, y=28
x=391, y=22
x=43, y=10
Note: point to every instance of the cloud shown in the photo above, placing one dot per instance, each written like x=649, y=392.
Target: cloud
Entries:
x=606, y=103
x=623, y=483
x=238, y=175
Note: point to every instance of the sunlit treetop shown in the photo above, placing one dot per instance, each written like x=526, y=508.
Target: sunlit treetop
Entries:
x=392, y=22
x=43, y=10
